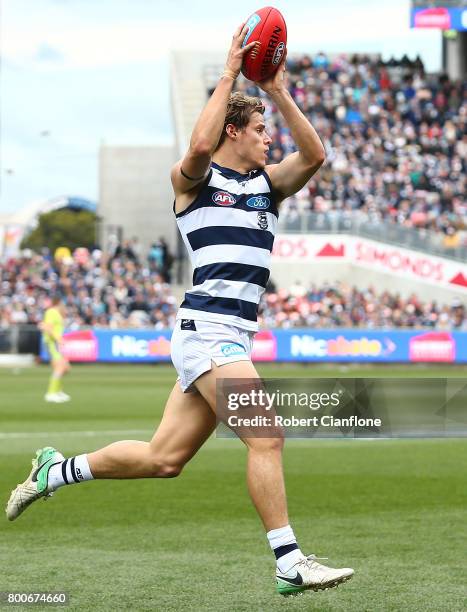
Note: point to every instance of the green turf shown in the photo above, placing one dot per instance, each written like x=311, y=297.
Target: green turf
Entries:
x=392, y=509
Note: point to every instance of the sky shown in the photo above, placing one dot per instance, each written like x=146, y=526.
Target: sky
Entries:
x=79, y=73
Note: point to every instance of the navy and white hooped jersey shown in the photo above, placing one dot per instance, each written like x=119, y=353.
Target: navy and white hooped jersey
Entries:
x=229, y=231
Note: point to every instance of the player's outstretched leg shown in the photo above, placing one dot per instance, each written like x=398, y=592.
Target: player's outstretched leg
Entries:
x=295, y=572
x=186, y=424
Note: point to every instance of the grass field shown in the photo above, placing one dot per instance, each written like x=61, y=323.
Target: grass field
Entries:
x=395, y=510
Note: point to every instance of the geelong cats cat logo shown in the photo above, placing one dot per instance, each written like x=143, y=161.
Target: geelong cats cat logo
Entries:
x=262, y=220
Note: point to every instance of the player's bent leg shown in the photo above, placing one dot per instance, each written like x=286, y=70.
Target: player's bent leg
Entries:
x=186, y=424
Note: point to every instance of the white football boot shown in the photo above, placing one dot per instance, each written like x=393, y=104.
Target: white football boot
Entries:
x=307, y=574
x=65, y=397
x=54, y=398
x=36, y=484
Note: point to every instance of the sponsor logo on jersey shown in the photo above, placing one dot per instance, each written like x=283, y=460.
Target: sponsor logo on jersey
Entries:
x=223, y=198
x=262, y=220
x=251, y=25
x=261, y=202
x=278, y=53
x=232, y=349
x=188, y=324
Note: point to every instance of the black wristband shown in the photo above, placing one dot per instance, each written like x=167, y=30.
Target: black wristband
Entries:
x=190, y=178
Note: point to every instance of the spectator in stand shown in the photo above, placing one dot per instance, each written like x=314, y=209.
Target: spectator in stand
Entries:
x=167, y=260
x=126, y=250
x=452, y=238
x=156, y=256
x=161, y=259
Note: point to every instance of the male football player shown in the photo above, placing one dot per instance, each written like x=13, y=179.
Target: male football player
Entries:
x=226, y=205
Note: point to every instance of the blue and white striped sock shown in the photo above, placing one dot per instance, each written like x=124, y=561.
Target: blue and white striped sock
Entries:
x=71, y=471
x=285, y=547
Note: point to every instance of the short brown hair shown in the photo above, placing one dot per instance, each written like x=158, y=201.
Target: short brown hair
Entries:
x=239, y=110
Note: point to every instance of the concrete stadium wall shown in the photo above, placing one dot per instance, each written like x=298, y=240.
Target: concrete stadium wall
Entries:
x=135, y=193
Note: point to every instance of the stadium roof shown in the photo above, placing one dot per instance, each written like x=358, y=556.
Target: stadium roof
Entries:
x=28, y=214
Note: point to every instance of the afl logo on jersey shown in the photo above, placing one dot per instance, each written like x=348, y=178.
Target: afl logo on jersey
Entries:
x=258, y=202
x=223, y=198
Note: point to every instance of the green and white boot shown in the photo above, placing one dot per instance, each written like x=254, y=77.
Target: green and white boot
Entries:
x=36, y=484
x=308, y=574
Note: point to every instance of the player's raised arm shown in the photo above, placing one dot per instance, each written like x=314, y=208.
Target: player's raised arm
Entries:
x=189, y=171
x=291, y=174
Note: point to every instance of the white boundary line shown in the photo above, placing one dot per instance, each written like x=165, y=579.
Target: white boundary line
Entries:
x=428, y=435
x=99, y=432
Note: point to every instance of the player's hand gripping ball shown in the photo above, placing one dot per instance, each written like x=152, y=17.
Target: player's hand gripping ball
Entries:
x=268, y=28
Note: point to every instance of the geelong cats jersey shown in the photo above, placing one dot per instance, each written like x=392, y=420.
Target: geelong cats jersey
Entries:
x=229, y=231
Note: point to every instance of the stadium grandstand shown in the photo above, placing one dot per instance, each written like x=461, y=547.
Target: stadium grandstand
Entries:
x=396, y=150
x=394, y=175
x=122, y=290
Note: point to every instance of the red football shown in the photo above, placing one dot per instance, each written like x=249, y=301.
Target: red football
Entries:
x=267, y=26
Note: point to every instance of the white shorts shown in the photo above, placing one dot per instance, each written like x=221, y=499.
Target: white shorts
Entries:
x=195, y=344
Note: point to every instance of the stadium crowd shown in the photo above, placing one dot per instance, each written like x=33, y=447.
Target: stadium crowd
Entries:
x=341, y=305
x=395, y=139
x=396, y=152
x=123, y=290
x=99, y=290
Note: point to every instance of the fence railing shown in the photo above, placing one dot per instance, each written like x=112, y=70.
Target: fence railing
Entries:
x=419, y=239
x=20, y=339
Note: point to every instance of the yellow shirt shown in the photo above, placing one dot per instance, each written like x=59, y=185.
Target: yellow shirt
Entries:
x=54, y=318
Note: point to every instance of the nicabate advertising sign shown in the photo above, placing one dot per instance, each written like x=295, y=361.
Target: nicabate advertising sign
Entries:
x=307, y=345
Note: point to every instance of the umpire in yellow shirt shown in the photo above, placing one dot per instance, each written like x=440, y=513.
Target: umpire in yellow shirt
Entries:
x=52, y=328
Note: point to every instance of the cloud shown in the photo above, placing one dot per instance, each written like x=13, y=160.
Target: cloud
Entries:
x=46, y=53
x=54, y=44
x=100, y=46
